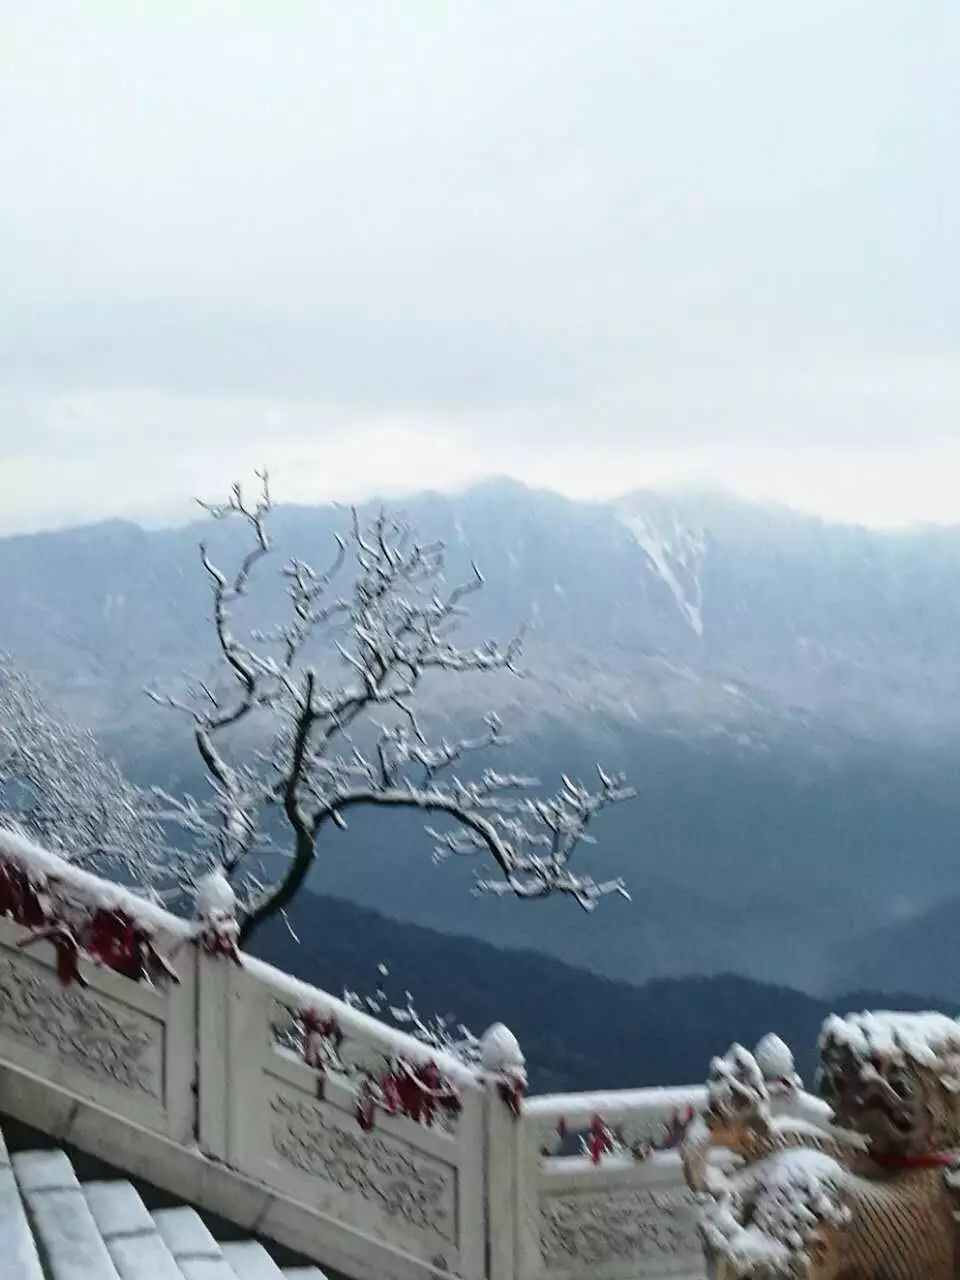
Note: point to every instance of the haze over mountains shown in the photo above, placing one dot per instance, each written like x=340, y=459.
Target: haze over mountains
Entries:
x=784, y=693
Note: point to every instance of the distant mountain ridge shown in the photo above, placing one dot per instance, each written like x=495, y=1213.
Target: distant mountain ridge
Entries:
x=784, y=692
x=710, y=607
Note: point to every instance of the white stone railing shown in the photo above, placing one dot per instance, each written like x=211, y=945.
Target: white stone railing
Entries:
x=609, y=1214
x=400, y=1185
x=299, y=1117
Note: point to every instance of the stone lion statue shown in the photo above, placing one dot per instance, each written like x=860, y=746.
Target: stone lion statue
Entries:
x=857, y=1185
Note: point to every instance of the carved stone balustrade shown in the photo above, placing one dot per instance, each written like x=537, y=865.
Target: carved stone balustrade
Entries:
x=150, y=1042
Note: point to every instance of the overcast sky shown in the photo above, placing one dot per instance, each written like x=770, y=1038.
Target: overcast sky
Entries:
x=596, y=245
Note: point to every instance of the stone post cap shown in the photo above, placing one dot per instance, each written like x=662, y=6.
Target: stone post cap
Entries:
x=500, y=1052
x=215, y=896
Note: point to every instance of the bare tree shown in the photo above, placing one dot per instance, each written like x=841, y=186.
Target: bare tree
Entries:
x=58, y=786
x=355, y=739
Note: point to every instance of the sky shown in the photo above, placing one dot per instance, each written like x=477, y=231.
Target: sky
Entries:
x=596, y=245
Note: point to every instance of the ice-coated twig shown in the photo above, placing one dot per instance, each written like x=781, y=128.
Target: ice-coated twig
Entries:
x=59, y=787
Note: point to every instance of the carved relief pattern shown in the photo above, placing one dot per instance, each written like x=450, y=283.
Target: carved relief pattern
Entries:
x=601, y=1227
x=81, y=1031
x=403, y=1183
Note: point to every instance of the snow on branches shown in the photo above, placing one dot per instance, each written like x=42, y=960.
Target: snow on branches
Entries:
x=354, y=739
x=436, y=1031
x=58, y=787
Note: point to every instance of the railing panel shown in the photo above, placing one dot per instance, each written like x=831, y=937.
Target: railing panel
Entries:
x=618, y=1222
x=403, y=1187
x=614, y=1216
x=123, y=1045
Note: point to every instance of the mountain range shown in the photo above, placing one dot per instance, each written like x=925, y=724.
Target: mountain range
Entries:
x=785, y=694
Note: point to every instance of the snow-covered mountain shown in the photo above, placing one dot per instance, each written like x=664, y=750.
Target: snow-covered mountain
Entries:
x=689, y=607
x=785, y=692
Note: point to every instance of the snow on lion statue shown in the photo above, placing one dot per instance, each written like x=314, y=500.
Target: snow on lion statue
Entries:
x=859, y=1187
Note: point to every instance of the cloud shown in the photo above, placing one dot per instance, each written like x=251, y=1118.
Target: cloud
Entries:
x=395, y=246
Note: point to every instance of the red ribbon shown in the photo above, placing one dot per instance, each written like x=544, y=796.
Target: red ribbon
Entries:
x=928, y=1160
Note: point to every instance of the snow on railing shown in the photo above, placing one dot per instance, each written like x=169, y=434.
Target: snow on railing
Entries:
x=354, y=1023
x=52, y=877
x=629, y=1123
x=333, y=1132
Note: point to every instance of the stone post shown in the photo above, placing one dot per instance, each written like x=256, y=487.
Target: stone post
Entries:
x=215, y=916
x=505, y=1080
